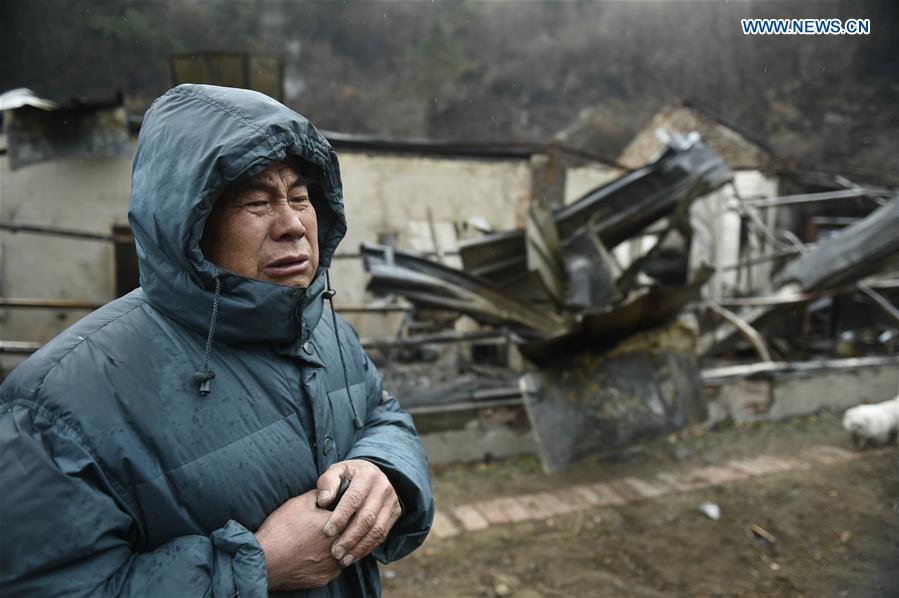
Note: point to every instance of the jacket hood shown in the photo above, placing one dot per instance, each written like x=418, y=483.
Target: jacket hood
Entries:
x=195, y=140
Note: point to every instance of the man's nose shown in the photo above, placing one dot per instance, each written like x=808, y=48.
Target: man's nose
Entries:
x=286, y=222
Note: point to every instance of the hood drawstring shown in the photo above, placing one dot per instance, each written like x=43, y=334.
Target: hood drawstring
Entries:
x=205, y=376
x=329, y=296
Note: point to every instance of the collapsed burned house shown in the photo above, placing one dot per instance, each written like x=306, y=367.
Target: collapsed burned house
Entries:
x=612, y=359
x=558, y=288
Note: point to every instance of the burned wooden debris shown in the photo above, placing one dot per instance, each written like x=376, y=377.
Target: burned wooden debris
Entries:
x=862, y=249
x=598, y=403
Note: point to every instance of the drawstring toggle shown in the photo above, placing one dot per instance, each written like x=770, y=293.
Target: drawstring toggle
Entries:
x=204, y=378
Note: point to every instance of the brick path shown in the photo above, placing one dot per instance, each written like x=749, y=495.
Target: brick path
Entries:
x=481, y=515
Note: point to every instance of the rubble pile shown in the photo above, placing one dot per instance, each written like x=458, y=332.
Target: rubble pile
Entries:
x=610, y=361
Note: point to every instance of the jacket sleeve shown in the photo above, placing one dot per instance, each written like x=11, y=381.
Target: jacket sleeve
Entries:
x=389, y=440
x=66, y=528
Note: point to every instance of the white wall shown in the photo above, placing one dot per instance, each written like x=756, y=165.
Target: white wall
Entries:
x=384, y=193
x=82, y=194
x=582, y=179
x=716, y=235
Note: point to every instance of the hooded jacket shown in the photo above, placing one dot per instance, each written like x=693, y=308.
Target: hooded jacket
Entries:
x=118, y=476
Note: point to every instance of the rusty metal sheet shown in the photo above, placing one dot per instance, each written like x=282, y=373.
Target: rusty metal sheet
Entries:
x=644, y=309
x=626, y=206
x=501, y=259
x=591, y=274
x=857, y=251
x=596, y=404
x=544, y=255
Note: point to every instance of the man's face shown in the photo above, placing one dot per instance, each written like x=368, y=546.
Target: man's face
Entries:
x=265, y=228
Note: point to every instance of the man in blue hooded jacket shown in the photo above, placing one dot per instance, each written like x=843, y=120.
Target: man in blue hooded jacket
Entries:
x=188, y=438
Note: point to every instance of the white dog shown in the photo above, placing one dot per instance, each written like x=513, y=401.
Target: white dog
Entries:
x=873, y=424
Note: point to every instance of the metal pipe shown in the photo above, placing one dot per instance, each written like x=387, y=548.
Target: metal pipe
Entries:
x=769, y=300
x=64, y=232
x=366, y=309
x=454, y=337
x=19, y=347
x=726, y=374
x=511, y=401
x=879, y=300
x=748, y=331
x=6, y=302
x=786, y=200
x=767, y=257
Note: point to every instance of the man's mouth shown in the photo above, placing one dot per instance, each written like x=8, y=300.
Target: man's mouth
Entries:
x=288, y=266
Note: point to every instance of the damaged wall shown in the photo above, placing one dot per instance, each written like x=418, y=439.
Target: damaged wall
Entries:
x=717, y=238
x=582, y=179
x=76, y=193
x=783, y=391
x=390, y=195
x=737, y=148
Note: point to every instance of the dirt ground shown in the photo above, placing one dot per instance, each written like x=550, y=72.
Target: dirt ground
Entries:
x=835, y=527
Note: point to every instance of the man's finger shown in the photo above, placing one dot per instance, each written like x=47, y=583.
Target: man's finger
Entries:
x=328, y=484
x=352, y=501
x=375, y=536
x=362, y=523
x=379, y=509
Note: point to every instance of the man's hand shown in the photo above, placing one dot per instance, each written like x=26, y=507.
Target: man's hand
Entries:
x=365, y=514
x=297, y=552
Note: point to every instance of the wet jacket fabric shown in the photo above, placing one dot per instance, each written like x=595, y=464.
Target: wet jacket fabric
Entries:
x=118, y=476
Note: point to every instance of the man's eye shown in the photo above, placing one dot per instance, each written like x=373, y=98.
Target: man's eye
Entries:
x=298, y=203
x=255, y=205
